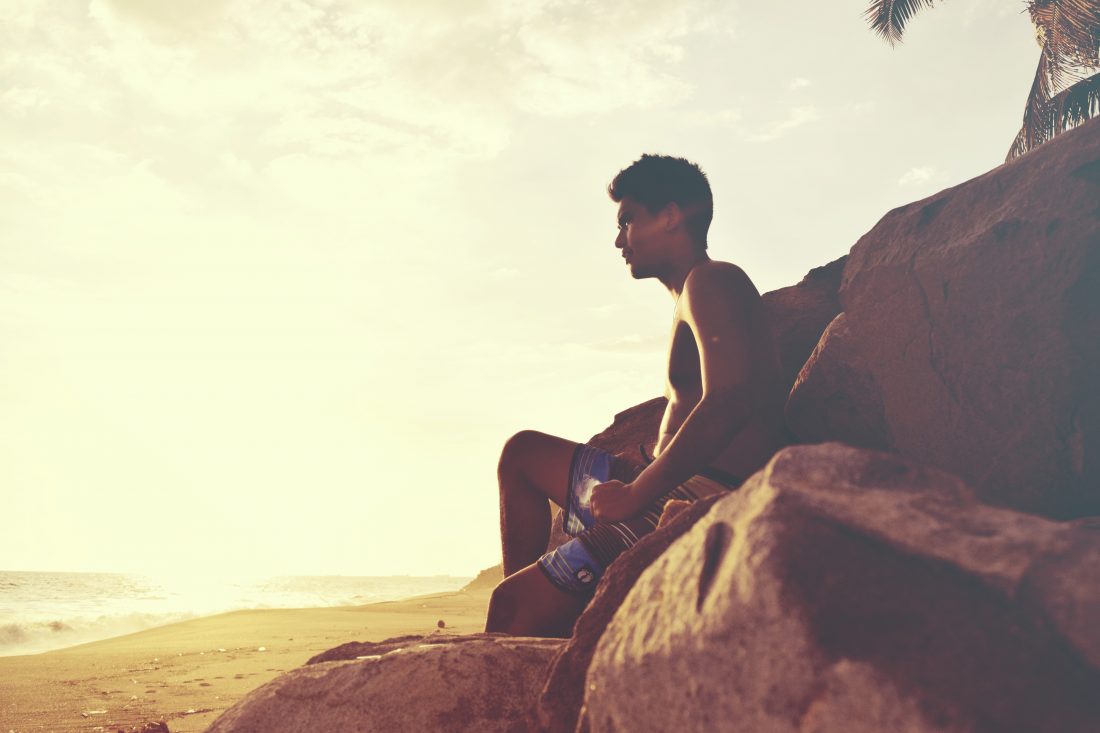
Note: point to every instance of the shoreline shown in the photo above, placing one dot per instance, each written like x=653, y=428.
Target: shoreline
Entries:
x=188, y=672
x=44, y=611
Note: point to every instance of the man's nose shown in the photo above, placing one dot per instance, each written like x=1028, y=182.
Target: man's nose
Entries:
x=620, y=240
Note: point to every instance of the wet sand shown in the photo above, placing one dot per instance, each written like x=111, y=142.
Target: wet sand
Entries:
x=188, y=673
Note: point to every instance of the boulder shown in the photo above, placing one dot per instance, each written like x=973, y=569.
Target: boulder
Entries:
x=638, y=425
x=480, y=683
x=357, y=649
x=849, y=590
x=799, y=314
x=838, y=396
x=972, y=318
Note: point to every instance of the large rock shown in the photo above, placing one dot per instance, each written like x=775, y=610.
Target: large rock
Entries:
x=837, y=395
x=848, y=590
x=482, y=683
x=358, y=649
x=638, y=425
x=973, y=316
x=799, y=314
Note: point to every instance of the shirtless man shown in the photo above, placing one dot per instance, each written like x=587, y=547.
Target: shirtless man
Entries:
x=722, y=424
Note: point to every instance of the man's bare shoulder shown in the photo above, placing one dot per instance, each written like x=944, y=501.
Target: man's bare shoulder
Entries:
x=714, y=282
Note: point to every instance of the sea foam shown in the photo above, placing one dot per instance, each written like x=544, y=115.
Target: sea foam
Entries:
x=45, y=611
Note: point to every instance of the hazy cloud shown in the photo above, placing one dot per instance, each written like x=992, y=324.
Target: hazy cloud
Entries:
x=717, y=118
x=858, y=110
x=632, y=343
x=313, y=98
x=796, y=118
x=369, y=75
x=254, y=246
x=799, y=83
x=979, y=11
x=917, y=175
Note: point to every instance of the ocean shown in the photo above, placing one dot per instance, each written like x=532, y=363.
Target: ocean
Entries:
x=44, y=611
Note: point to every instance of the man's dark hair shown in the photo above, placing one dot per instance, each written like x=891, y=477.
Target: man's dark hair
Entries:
x=655, y=181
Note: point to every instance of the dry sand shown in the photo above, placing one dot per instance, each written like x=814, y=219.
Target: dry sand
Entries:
x=203, y=665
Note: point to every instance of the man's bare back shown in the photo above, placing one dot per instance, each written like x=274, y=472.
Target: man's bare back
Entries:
x=758, y=440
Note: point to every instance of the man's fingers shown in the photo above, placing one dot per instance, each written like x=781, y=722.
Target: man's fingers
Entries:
x=672, y=509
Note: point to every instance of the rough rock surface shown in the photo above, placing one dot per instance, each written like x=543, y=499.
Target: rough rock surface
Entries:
x=799, y=314
x=848, y=590
x=563, y=693
x=837, y=395
x=356, y=649
x=487, y=579
x=484, y=683
x=635, y=426
x=975, y=314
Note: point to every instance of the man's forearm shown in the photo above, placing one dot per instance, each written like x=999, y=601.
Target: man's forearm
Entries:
x=702, y=437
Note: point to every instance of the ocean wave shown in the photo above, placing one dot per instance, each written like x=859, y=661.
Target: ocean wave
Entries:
x=33, y=637
x=57, y=610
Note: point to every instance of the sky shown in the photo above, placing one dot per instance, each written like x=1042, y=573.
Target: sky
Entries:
x=278, y=279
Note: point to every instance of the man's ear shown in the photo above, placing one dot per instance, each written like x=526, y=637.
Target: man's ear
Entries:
x=673, y=216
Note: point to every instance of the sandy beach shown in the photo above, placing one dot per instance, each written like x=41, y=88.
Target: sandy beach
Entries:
x=188, y=673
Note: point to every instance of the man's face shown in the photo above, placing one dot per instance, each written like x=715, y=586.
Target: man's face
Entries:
x=641, y=236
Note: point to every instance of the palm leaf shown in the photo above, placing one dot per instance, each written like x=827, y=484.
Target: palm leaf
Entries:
x=1038, y=113
x=1071, y=28
x=1077, y=104
x=888, y=17
x=1046, y=117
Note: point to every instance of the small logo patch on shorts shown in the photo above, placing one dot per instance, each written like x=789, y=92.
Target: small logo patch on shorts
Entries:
x=584, y=575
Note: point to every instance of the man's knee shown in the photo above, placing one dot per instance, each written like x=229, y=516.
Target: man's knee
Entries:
x=516, y=451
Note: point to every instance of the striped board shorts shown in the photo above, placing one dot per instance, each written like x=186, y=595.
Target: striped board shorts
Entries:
x=576, y=566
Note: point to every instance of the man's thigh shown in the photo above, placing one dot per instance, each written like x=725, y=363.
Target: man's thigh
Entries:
x=543, y=461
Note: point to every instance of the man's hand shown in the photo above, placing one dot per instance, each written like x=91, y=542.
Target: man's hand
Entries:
x=614, y=501
x=673, y=509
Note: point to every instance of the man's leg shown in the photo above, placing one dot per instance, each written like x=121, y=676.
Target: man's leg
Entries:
x=526, y=603
x=533, y=467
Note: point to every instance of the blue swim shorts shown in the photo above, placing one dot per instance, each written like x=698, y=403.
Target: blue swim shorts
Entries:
x=577, y=566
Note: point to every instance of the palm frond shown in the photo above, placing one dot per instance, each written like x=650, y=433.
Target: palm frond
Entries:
x=1071, y=28
x=888, y=17
x=1047, y=117
x=1038, y=113
x=1079, y=103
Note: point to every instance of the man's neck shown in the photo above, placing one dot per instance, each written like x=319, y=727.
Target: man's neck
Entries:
x=677, y=274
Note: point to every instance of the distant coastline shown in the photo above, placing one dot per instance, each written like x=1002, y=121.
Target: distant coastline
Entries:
x=188, y=673
x=45, y=611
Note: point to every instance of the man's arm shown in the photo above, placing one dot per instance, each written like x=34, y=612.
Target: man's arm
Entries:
x=716, y=306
